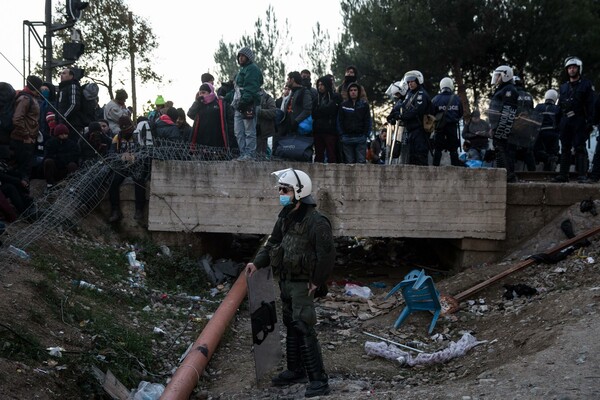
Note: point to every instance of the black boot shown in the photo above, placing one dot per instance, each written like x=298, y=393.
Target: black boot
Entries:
x=581, y=166
x=295, y=372
x=565, y=166
x=313, y=362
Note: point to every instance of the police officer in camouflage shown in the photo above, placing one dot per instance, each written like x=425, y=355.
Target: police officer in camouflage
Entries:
x=302, y=251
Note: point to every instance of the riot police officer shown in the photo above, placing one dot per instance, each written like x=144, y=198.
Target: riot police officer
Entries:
x=546, y=146
x=501, y=115
x=414, y=107
x=448, y=111
x=301, y=249
x=576, y=101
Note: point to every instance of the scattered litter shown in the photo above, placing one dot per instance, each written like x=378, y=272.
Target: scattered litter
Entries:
x=560, y=270
x=355, y=290
x=147, y=309
x=590, y=260
x=454, y=349
x=518, y=290
x=136, y=270
x=164, y=249
x=221, y=269
x=22, y=254
x=214, y=292
x=148, y=391
x=86, y=285
x=159, y=331
x=55, y=351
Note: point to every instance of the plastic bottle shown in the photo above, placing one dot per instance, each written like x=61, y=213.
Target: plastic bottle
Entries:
x=86, y=285
x=18, y=252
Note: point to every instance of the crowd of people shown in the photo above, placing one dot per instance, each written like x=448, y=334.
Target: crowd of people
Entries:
x=55, y=131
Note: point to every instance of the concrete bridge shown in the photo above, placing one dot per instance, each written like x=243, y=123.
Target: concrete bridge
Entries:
x=468, y=215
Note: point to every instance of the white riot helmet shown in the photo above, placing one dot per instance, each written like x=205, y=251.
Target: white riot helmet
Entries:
x=551, y=95
x=400, y=87
x=574, y=61
x=446, y=83
x=414, y=75
x=299, y=181
x=503, y=73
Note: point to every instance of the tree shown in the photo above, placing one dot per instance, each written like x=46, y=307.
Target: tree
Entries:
x=466, y=39
x=105, y=30
x=319, y=54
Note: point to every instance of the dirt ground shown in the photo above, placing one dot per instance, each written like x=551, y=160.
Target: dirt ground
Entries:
x=540, y=347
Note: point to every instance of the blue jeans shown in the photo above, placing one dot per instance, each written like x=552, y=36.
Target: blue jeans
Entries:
x=245, y=133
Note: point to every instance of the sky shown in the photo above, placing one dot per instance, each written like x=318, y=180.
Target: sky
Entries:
x=188, y=32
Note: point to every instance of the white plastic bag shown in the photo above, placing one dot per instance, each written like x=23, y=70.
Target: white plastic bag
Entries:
x=355, y=290
x=148, y=391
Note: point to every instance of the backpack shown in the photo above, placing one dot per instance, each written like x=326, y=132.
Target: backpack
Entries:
x=7, y=109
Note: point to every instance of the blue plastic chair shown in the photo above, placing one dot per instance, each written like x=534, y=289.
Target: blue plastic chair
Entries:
x=419, y=294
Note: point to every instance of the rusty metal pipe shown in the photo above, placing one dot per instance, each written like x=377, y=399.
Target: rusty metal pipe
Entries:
x=188, y=374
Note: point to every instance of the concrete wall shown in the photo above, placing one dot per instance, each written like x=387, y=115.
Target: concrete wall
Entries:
x=361, y=200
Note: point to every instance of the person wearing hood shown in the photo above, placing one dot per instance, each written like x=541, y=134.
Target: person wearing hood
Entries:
x=166, y=128
x=354, y=125
x=26, y=119
x=213, y=121
x=301, y=250
x=325, y=121
x=351, y=76
x=245, y=100
x=62, y=156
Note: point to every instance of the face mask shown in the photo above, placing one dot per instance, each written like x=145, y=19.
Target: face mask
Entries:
x=46, y=93
x=285, y=200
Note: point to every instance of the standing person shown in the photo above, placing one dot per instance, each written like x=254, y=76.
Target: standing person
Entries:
x=69, y=103
x=546, y=146
x=525, y=108
x=414, y=107
x=245, y=100
x=576, y=101
x=185, y=130
x=354, y=125
x=26, y=125
x=449, y=106
x=325, y=121
x=502, y=112
x=213, y=121
x=302, y=251
x=266, y=122
x=297, y=106
x=351, y=76
x=115, y=109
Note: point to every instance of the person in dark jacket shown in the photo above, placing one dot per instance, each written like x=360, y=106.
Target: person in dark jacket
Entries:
x=166, y=129
x=62, y=156
x=576, y=101
x=185, y=129
x=213, y=121
x=414, y=107
x=325, y=121
x=449, y=108
x=69, y=103
x=546, y=146
x=266, y=122
x=501, y=115
x=95, y=143
x=354, y=125
x=478, y=133
x=302, y=251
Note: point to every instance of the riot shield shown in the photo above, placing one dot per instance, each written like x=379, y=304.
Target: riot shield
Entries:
x=265, y=326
